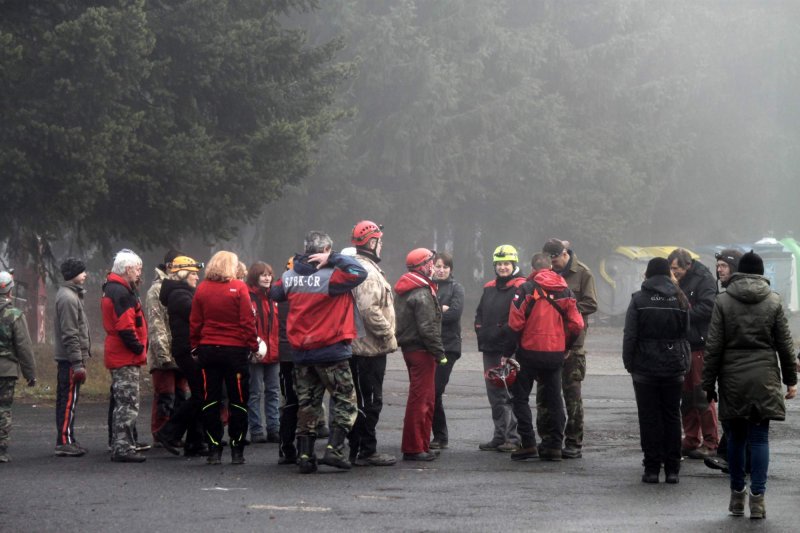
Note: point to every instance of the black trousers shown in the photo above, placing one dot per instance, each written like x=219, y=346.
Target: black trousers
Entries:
x=659, y=406
x=368, y=373
x=549, y=379
x=441, y=380
x=187, y=416
x=288, y=417
x=66, y=399
x=226, y=365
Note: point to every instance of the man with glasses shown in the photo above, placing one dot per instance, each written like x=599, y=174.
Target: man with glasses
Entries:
x=581, y=282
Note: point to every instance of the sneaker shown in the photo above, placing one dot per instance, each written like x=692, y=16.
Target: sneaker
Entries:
x=421, y=456
x=507, y=447
x=550, y=454
x=520, y=454
x=258, y=438
x=571, y=452
x=69, y=450
x=437, y=444
x=130, y=457
x=376, y=459
x=490, y=446
x=141, y=446
x=701, y=453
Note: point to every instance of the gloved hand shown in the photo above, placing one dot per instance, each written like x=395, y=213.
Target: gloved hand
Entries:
x=711, y=395
x=443, y=361
x=31, y=382
x=78, y=374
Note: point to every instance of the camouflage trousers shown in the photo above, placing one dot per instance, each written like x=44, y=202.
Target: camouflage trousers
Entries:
x=571, y=380
x=125, y=392
x=6, y=401
x=310, y=383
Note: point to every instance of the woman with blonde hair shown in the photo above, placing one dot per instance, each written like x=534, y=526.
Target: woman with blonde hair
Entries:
x=222, y=335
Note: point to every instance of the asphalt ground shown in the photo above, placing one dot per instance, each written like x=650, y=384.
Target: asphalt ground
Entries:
x=465, y=490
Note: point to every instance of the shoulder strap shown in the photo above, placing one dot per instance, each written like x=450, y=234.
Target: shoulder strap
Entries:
x=551, y=301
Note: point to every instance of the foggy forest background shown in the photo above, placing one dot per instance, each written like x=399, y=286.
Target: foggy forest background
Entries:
x=458, y=124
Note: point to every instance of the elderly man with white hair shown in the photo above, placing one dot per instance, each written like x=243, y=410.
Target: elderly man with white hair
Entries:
x=125, y=351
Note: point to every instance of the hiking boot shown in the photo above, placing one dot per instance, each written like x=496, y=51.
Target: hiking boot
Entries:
x=214, y=455
x=376, y=459
x=258, y=438
x=130, y=457
x=700, y=453
x=550, y=454
x=757, y=508
x=507, y=447
x=237, y=455
x=166, y=443
x=334, y=451
x=520, y=454
x=650, y=477
x=571, y=452
x=196, y=450
x=490, y=446
x=421, y=456
x=437, y=444
x=736, y=506
x=672, y=478
x=69, y=450
x=306, y=459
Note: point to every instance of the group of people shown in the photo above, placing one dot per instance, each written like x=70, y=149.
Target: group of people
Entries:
x=687, y=348
x=221, y=350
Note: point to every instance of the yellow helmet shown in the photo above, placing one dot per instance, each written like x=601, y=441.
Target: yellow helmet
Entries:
x=183, y=262
x=505, y=252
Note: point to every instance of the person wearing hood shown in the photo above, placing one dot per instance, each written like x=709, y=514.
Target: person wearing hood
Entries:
x=748, y=326
x=169, y=387
x=419, y=334
x=545, y=314
x=700, y=433
x=496, y=341
x=580, y=281
x=656, y=353
x=450, y=294
x=320, y=326
x=176, y=294
x=16, y=357
x=72, y=352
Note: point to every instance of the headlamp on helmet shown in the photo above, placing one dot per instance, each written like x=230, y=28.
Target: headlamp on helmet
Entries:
x=183, y=262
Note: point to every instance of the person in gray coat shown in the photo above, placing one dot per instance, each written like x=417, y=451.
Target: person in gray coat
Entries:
x=72, y=351
x=748, y=326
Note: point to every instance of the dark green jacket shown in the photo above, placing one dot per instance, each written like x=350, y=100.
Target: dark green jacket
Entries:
x=418, y=317
x=16, y=348
x=747, y=328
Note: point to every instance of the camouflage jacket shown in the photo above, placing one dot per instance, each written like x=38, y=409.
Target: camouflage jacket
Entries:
x=16, y=348
x=376, y=306
x=159, y=352
x=71, y=329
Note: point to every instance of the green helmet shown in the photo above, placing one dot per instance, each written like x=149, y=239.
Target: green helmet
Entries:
x=505, y=252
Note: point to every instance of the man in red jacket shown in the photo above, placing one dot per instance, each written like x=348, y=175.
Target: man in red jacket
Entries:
x=125, y=351
x=321, y=326
x=544, y=312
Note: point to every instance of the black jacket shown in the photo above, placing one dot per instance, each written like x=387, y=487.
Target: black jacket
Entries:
x=177, y=297
x=700, y=287
x=451, y=294
x=654, y=342
x=491, y=317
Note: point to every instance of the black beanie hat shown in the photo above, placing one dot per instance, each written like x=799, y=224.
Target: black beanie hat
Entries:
x=751, y=263
x=657, y=266
x=71, y=268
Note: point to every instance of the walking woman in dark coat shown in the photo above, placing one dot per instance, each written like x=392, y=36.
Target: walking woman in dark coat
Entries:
x=656, y=353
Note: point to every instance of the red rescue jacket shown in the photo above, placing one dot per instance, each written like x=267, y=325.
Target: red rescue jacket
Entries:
x=223, y=315
x=124, y=323
x=266, y=311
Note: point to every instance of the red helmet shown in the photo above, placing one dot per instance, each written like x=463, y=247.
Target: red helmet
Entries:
x=364, y=231
x=504, y=375
x=418, y=257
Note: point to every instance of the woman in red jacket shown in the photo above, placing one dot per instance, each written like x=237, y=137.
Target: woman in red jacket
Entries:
x=264, y=380
x=222, y=334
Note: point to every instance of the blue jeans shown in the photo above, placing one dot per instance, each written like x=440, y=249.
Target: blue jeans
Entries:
x=740, y=433
x=264, y=387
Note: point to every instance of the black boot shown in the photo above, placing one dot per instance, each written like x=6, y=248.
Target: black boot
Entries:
x=334, y=452
x=237, y=455
x=214, y=455
x=307, y=460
